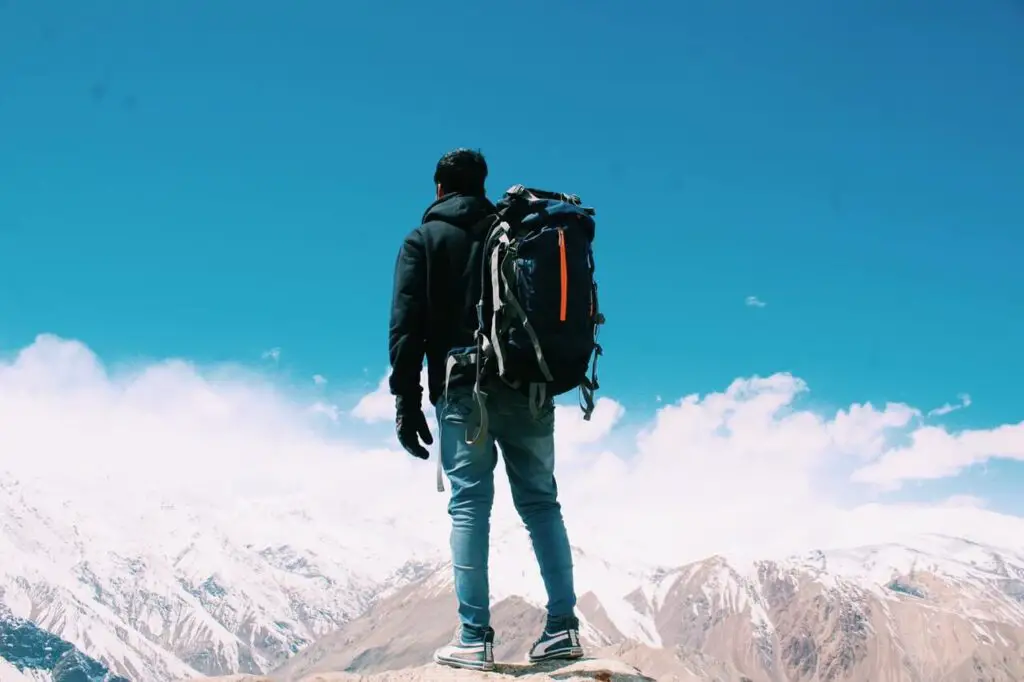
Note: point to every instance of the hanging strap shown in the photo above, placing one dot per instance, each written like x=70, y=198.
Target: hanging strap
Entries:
x=589, y=386
x=512, y=302
x=484, y=347
x=538, y=393
x=496, y=302
x=454, y=360
x=448, y=367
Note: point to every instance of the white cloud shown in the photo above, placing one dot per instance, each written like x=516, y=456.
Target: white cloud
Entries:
x=274, y=354
x=173, y=429
x=863, y=430
x=572, y=434
x=934, y=452
x=965, y=401
x=319, y=379
x=379, y=405
x=328, y=410
x=742, y=470
x=754, y=302
x=971, y=501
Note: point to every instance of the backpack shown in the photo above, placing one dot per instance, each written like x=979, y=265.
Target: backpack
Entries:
x=538, y=316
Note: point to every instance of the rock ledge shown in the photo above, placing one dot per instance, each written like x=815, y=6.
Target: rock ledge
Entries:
x=585, y=670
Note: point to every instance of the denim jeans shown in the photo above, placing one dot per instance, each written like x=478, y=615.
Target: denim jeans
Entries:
x=528, y=448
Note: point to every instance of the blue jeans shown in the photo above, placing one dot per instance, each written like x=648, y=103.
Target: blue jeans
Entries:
x=528, y=446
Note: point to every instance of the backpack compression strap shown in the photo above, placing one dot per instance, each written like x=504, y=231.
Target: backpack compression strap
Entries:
x=590, y=385
x=500, y=271
x=501, y=298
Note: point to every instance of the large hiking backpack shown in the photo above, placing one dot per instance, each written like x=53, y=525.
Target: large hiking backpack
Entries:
x=538, y=316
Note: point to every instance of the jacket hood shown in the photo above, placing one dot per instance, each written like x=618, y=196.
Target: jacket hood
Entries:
x=460, y=210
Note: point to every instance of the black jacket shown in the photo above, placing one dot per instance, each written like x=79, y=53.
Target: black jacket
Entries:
x=436, y=289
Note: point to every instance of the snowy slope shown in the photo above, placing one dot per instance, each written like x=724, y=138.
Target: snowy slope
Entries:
x=8, y=673
x=159, y=591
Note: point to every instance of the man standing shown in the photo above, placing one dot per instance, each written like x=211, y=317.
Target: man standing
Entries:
x=436, y=288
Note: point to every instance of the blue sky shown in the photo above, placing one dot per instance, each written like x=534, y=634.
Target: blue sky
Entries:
x=211, y=180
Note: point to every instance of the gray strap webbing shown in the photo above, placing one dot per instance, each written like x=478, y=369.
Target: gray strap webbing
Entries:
x=499, y=285
x=450, y=365
x=511, y=300
x=587, y=399
x=538, y=392
x=481, y=403
x=480, y=396
x=589, y=386
x=496, y=303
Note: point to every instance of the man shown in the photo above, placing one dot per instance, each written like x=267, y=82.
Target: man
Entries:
x=436, y=287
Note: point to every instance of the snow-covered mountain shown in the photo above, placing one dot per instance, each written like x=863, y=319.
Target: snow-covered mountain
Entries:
x=936, y=608
x=156, y=591
x=159, y=591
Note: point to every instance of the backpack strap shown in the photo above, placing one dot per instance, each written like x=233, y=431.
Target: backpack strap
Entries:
x=502, y=298
x=496, y=228
x=470, y=356
x=517, y=308
x=473, y=355
x=501, y=295
x=590, y=385
x=538, y=393
x=501, y=235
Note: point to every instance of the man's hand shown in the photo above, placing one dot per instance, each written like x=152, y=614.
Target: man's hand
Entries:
x=412, y=427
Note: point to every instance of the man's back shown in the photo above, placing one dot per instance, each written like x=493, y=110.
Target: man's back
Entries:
x=437, y=284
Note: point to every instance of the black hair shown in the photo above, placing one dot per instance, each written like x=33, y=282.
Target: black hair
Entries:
x=463, y=171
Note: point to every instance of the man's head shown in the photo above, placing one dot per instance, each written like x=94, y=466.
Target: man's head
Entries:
x=461, y=170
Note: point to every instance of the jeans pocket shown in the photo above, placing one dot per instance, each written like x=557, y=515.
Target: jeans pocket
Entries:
x=546, y=415
x=457, y=408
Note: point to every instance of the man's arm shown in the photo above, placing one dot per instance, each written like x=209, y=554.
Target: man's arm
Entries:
x=408, y=329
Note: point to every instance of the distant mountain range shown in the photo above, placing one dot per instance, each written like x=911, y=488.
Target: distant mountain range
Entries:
x=940, y=609
x=191, y=590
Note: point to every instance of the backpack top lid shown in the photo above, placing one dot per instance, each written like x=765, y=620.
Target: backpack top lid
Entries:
x=529, y=208
x=530, y=195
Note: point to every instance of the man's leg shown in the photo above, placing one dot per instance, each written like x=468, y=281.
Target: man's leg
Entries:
x=470, y=471
x=528, y=445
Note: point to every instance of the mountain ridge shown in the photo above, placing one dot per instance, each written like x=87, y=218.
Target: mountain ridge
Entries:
x=898, y=613
x=195, y=589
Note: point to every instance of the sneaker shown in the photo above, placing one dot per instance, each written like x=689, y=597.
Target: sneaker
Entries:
x=558, y=642
x=461, y=653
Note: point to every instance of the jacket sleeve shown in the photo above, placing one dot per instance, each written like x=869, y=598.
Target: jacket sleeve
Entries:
x=408, y=327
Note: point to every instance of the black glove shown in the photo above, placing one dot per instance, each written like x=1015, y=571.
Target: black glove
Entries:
x=411, y=425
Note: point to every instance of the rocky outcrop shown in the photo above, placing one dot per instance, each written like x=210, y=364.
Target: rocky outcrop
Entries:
x=586, y=670
x=30, y=650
